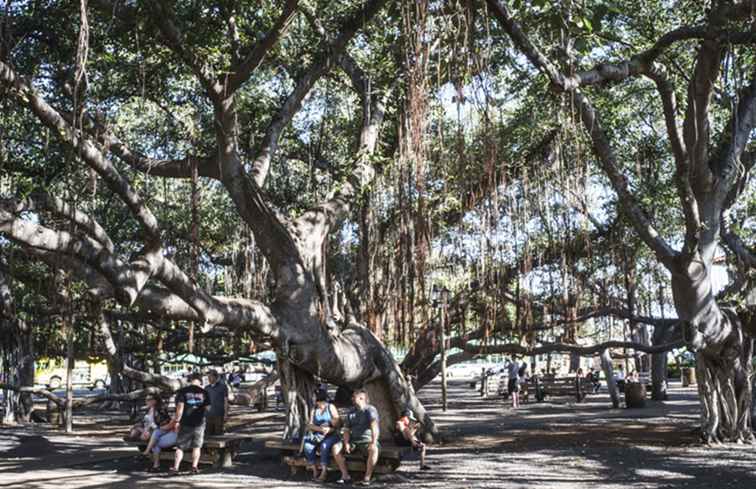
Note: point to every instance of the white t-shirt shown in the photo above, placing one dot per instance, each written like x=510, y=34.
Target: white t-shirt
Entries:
x=149, y=420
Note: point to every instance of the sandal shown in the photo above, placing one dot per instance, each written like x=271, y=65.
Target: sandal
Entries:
x=195, y=471
x=342, y=481
x=153, y=469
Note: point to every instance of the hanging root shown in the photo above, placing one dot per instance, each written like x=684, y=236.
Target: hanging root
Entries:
x=297, y=387
x=725, y=375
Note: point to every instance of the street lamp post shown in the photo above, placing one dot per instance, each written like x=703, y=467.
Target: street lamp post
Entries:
x=441, y=299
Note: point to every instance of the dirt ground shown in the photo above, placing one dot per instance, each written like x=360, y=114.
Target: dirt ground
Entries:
x=549, y=445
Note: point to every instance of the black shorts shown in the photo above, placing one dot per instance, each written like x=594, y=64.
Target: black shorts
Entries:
x=190, y=436
x=513, y=386
x=401, y=441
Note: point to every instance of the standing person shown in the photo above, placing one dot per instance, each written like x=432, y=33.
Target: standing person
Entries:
x=361, y=432
x=236, y=379
x=619, y=376
x=322, y=433
x=407, y=427
x=191, y=403
x=217, y=390
x=513, y=385
x=540, y=394
x=579, y=394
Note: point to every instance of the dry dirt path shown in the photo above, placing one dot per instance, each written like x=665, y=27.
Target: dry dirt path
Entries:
x=550, y=445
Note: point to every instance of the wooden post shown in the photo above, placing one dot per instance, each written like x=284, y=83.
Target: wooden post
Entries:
x=443, y=355
x=69, y=373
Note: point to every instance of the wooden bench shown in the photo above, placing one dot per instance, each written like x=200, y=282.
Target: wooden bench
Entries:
x=561, y=386
x=217, y=450
x=388, y=460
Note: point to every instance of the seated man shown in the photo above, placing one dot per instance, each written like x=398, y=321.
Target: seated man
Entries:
x=406, y=429
x=361, y=431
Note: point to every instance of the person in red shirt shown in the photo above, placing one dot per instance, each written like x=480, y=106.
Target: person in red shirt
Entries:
x=406, y=429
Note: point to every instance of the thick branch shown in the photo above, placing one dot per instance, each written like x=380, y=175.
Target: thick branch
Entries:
x=600, y=140
x=22, y=91
x=679, y=151
x=321, y=65
x=242, y=72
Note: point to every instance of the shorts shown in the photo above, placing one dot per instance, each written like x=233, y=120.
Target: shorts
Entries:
x=214, y=425
x=190, y=436
x=401, y=441
x=361, y=447
x=513, y=386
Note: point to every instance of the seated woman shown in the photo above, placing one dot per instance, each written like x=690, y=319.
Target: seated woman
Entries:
x=322, y=434
x=163, y=437
x=144, y=429
x=406, y=429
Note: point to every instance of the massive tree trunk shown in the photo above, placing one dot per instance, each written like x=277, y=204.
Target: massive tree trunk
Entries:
x=16, y=356
x=723, y=356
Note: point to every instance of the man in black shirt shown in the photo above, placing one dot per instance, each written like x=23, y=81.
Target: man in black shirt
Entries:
x=191, y=402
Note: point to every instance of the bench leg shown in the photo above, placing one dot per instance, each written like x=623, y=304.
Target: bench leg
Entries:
x=227, y=457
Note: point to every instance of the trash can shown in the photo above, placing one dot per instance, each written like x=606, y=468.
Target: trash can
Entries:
x=688, y=376
x=54, y=416
x=635, y=395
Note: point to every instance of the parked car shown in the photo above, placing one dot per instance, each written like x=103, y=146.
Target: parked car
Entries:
x=52, y=373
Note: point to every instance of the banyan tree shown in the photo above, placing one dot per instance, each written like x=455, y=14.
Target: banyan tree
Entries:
x=710, y=146
x=244, y=73
x=298, y=175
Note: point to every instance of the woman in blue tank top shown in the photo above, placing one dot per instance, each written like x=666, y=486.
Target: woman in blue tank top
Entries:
x=322, y=434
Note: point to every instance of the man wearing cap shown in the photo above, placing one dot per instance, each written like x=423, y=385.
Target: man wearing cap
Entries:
x=406, y=428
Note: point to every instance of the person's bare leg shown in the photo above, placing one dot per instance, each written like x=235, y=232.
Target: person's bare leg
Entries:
x=372, y=459
x=156, y=460
x=177, y=459
x=422, y=457
x=196, y=452
x=340, y=460
x=323, y=474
